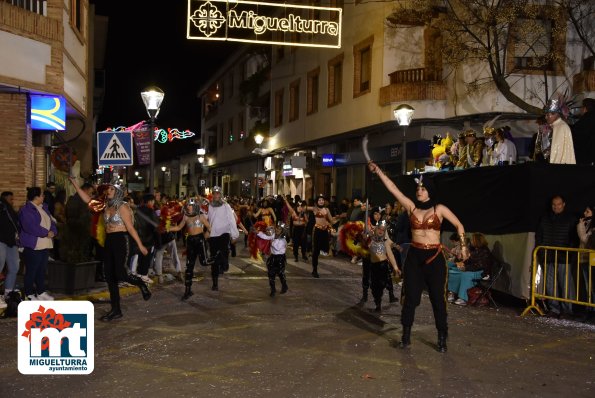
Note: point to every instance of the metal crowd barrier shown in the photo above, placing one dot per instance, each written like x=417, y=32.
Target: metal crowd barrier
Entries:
x=568, y=267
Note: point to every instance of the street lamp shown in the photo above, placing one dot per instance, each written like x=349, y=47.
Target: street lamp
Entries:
x=200, y=152
x=258, y=138
x=152, y=98
x=403, y=114
x=163, y=168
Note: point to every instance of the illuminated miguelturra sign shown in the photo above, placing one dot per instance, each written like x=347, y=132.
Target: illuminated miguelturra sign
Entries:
x=258, y=22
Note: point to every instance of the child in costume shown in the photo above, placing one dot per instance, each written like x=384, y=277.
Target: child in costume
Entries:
x=277, y=260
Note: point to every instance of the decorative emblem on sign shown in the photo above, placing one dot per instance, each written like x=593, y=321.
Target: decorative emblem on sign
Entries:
x=208, y=19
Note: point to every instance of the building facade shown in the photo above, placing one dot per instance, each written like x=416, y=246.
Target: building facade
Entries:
x=321, y=102
x=44, y=50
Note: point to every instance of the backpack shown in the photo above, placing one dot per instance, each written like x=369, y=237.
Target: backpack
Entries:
x=12, y=304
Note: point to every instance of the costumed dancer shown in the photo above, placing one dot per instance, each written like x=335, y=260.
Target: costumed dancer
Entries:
x=298, y=232
x=381, y=260
x=374, y=222
x=425, y=263
x=119, y=226
x=170, y=214
x=320, y=232
x=277, y=261
x=196, y=224
x=259, y=247
x=266, y=213
x=353, y=238
x=223, y=228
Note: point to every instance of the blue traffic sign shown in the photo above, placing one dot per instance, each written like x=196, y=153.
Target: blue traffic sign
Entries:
x=114, y=148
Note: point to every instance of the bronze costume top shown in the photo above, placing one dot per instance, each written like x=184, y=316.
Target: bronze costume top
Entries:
x=432, y=222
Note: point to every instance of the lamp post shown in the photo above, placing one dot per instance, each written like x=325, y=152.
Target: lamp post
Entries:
x=152, y=98
x=258, y=138
x=200, y=153
x=163, y=168
x=403, y=114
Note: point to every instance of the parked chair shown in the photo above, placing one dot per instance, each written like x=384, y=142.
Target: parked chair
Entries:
x=487, y=283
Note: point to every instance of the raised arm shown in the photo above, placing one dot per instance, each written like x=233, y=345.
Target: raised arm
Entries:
x=83, y=195
x=289, y=207
x=392, y=188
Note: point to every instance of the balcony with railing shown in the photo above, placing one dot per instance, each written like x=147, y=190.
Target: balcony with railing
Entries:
x=419, y=84
x=36, y=6
x=30, y=16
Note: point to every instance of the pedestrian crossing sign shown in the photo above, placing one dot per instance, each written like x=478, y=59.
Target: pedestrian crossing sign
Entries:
x=114, y=148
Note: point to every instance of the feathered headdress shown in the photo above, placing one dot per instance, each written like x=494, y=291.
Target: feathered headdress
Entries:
x=560, y=105
x=488, y=127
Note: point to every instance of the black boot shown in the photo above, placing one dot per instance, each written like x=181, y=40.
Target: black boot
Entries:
x=115, y=313
x=273, y=289
x=284, y=287
x=364, y=297
x=378, y=307
x=215, y=287
x=315, y=273
x=391, y=297
x=187, y=293
x=144, y=289
x=406, y=339
x=442, y=335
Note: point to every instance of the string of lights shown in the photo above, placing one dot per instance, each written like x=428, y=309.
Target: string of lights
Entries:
x=161, y=136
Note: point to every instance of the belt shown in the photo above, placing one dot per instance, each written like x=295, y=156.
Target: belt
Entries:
x=428, y=246
x=321, y=227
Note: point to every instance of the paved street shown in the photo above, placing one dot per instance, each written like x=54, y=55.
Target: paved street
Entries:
x=313, y=341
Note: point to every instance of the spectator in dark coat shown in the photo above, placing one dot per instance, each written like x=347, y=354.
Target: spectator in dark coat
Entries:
x=558, y=228
x=38, y=228
x=48, y=196
x=583, y=134
x=146, y=224
x=9, y=254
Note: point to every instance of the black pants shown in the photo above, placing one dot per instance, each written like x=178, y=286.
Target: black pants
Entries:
x=276, y=267
x=380, y=276
x=219, y=246
x=196, y=247
x=299, y=241
x=416, y=274
x=366, y=275
x=319, y=242
x=116, y=257
x=144, y=262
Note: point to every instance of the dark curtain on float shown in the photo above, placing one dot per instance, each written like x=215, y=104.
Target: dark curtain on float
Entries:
x=502, y=199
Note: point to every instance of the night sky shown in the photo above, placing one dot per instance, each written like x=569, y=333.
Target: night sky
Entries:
x=136, y=59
